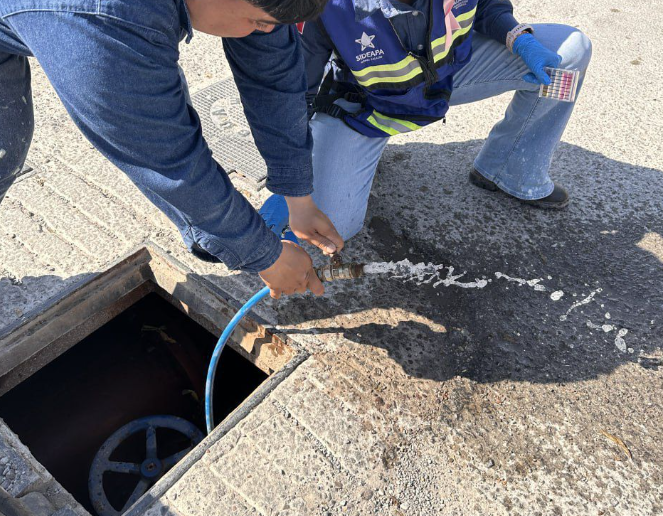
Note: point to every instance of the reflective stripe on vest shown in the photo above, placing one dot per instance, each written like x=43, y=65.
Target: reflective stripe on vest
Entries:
x=391, y=126
x=408, y=72
x=401, y=92
x=399, y=72
x=465, y=21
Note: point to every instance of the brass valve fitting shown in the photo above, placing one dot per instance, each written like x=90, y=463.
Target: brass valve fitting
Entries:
x=337, y=270
x=345, y=271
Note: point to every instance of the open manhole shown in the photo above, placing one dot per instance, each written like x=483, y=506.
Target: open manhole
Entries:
x=106, y=385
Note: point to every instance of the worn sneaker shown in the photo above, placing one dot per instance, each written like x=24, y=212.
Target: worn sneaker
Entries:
x=558, y=199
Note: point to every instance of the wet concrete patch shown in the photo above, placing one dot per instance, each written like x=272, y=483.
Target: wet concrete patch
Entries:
x=504, y=394
x=570, y=296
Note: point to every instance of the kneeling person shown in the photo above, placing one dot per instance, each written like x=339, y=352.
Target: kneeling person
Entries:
x=397, y=66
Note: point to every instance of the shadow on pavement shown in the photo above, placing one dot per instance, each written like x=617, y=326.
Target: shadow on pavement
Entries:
x=604, y=252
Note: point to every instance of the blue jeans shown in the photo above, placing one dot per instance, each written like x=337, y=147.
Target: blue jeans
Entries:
x=113, y=63
x=516, y=154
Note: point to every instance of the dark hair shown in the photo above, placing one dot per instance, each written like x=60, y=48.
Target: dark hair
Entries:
x=291, y=11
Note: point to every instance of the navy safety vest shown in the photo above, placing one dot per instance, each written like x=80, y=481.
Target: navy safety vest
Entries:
x=400, y=91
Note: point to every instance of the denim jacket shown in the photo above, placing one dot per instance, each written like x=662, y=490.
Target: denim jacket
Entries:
x=114, y=65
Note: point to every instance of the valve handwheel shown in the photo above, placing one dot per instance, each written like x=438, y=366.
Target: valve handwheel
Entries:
x=148, y=471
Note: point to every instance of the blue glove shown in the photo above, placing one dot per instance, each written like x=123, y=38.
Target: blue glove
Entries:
x=536, y=57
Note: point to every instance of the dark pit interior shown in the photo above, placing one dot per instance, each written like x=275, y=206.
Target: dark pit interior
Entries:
x=149, y=360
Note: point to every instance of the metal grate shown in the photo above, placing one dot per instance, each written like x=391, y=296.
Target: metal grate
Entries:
x=227, y=132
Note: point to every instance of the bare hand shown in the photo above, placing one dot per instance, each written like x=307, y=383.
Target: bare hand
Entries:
x=292, y=273
x=313, y=226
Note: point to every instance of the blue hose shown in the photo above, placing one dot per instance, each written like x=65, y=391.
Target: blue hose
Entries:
x=211, y=372
x=275, y=214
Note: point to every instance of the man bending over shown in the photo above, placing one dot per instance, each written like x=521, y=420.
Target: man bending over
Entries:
x=113, y=64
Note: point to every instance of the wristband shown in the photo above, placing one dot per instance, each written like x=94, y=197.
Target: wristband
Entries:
x=515, y=32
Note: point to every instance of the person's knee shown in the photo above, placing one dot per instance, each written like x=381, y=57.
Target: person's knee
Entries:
x=576, y=51
x=347, y=221
x=349, y=229
x=346, y=226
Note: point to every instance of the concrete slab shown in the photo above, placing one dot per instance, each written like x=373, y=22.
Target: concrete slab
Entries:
x=201, y=493
x=538, y=393
x=37, y=504
x=16, y=473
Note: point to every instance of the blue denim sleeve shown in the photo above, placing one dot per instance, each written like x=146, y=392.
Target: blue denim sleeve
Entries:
x=269, y=73
x=494, y=19
x=317, y=51
x=135, y=112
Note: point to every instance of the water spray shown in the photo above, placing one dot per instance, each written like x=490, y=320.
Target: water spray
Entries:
x=275, y=213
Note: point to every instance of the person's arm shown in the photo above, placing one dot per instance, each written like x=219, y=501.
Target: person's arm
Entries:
x=147, y=129
x=269, y=73
x=317, y=51
x=270, y=76
x=494, y=18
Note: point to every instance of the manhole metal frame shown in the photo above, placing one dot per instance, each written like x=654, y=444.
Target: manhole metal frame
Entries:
x=64, y=320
